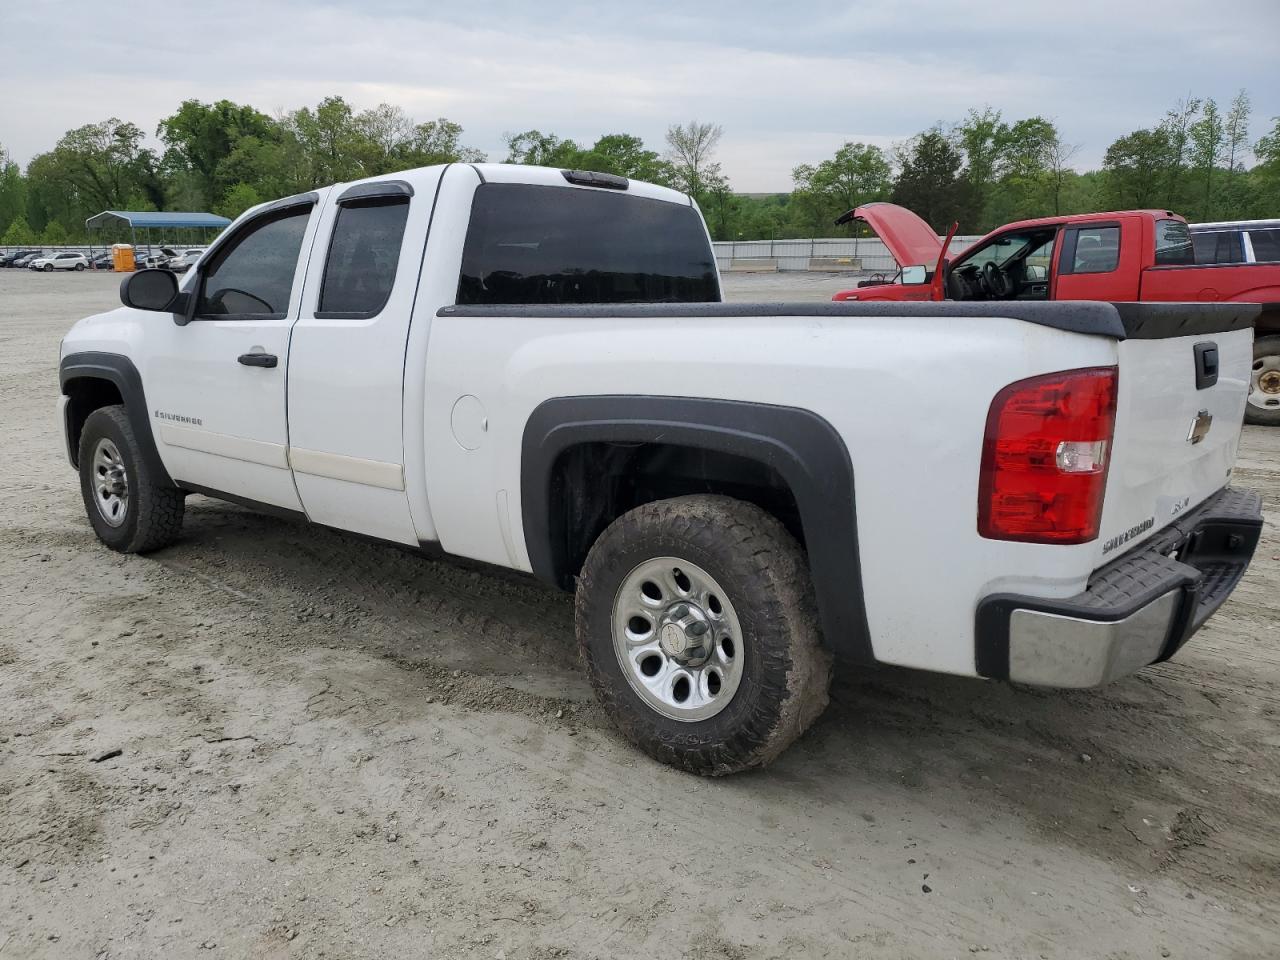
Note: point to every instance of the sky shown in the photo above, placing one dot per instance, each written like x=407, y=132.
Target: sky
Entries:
x=789, y=82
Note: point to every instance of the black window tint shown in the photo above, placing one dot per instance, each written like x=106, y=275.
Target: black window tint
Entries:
x=1220, y=246
x=1173, y=244
x=1097, y=250
x=363, y=254
x=253, y=277
x=548, y=244
x=1266, y=245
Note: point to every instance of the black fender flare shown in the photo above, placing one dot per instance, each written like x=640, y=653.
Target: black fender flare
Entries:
x=120, y=371
x=805, y=450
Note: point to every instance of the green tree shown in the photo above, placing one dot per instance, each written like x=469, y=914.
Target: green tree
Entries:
x=200, y=136
x=1176, y=127
x=237, y=200
x=13, y=190
x=1206, y=152
x=627, y=156
x=691, y=152
x=1236, y=132
x=857, y=174
x=55, y=234
x=18, y=233
x=1267, y=172
x=931, y=181
x=1134, y=165
x=535, y=148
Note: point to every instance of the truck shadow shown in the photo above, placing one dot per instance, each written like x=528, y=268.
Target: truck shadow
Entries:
x=1078, y=765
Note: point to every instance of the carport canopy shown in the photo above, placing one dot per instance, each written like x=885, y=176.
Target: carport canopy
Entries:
x=155, y=220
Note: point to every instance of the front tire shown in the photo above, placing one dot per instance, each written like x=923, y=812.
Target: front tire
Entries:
x=1263, y=407
x=698, y=626
x=48, y=268
x=130, y=509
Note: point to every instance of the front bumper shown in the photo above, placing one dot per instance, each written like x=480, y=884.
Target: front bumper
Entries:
x=1139, y=609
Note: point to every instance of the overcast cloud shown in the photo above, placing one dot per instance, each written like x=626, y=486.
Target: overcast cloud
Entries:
x=789, y=82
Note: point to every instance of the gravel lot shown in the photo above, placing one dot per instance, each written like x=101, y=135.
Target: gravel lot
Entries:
x=330, y=748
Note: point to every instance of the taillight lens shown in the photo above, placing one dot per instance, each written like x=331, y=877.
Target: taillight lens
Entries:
x=1045, y=456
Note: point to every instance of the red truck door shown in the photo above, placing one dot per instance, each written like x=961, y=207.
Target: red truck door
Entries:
x=1099, y=260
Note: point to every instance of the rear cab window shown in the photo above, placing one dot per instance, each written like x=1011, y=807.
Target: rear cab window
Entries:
x=1173, y=244
x=542, y=244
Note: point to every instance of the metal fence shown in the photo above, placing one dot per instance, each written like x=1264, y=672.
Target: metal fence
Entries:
x=797, y=254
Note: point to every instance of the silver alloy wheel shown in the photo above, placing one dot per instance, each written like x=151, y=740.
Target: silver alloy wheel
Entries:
x=1264, y=384
x=678, y=639
x=110, y=482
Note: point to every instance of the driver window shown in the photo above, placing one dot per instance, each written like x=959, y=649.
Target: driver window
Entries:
x=252, y=278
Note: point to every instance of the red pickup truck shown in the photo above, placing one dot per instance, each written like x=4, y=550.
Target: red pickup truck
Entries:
x=1132, y=255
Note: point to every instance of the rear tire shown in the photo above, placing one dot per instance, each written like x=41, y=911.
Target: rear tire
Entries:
x=79, y=267
x=130, y=509
x=710, y=597
x=1263, y=407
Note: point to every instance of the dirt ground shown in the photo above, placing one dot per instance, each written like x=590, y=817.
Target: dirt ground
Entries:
x=321, y=747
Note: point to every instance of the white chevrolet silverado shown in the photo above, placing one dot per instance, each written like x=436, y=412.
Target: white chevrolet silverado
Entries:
x=533, y=368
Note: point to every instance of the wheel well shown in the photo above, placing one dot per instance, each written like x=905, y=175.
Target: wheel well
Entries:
x=86, y=394
x=592, y=484
x=1268, y=323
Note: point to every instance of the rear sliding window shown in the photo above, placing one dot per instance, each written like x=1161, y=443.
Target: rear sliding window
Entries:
x=532, y=244
x=1173, y=244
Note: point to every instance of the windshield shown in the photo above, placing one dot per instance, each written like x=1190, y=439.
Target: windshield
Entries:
x=1001, y=250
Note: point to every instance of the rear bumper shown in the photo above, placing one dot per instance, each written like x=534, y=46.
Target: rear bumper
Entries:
x=1139, y=609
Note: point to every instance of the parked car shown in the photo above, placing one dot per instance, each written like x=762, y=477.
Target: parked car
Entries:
x=1131, y=255
x=557, y=388
x=59, y=261
x=1237, y=241
x=25, y=259
x=10, y=259
x=153, y=257
x=183, y=261
x=102, y=261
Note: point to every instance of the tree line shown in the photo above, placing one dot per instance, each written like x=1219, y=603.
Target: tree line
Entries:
x=1199, y=159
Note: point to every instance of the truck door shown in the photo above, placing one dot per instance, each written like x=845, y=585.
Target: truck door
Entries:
x=346, y=369
x=1098, y=261
x=216, y=386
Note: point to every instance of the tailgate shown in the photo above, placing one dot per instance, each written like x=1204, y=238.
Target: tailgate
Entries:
x=1184, y=381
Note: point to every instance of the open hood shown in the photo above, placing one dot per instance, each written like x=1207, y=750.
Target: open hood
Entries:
x=910, y=240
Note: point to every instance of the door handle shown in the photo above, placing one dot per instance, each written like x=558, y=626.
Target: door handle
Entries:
x=258, y=359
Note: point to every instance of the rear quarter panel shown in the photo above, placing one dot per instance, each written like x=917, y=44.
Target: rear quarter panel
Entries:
x=909, y=396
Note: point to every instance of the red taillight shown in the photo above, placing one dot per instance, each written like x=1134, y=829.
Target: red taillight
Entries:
x=1045, y=456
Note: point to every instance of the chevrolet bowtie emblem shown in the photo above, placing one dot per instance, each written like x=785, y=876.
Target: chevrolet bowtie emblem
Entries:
x=1200, y=427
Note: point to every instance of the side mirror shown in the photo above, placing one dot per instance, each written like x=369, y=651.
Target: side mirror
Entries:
x=1037, y=272
x=149, y=290
x=916, y=274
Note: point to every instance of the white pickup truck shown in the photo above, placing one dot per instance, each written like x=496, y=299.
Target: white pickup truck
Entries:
x=533, y=368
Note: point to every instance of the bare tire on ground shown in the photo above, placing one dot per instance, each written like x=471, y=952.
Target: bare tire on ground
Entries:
x=697, y=622
x=1263, y=407
x=130, y=509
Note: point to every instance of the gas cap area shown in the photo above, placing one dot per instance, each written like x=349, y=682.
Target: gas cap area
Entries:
x=470, y=422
